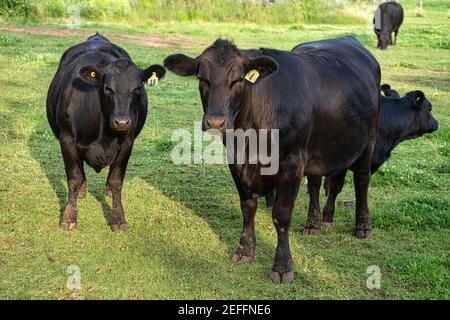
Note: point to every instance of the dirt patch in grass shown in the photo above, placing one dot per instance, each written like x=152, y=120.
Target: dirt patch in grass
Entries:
x=151, y=41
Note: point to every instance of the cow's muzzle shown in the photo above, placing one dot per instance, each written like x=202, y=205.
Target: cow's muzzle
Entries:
x=214, y=122
x=121, y=123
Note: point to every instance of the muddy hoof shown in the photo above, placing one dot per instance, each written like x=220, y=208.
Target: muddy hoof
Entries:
x=68, y=225
x=119, y=227
x=363, y=232
x=282, y=278
x=311, y=231
x=327, y=225
x=241, y=259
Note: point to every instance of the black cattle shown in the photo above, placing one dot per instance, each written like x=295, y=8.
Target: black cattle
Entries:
x=388, y=18
x=400, y=119
x=388, y=91
x=96, y=107
x=323, y=97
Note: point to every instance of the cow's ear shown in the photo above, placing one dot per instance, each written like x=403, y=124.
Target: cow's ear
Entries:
x=418, y=97
x=259, y=68
x=153, y=74
x=181, y=65
x=90, y=75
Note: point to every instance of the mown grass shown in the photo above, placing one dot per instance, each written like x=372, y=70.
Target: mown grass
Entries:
x=184, y=221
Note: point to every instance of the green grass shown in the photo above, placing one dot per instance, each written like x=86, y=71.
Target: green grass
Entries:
x=184, y=221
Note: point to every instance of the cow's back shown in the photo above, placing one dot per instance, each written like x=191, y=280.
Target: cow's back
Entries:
x=391, y=16
x=342, y=101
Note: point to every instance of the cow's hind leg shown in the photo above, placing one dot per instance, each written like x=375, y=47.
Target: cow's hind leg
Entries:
x=313, y=221
x=115, y=182
x=334, y=187
x=270, y=199
x=361, y=180
x=395, y=36
x=287, y=191
x=75, y=178
x=83, y=189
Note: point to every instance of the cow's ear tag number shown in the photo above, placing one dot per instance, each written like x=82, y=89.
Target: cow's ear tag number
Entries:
x=252, y=76
x=93, y=74
x=153, y=80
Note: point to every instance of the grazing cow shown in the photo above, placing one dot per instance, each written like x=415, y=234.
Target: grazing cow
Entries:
x=388, y=91
x=400, y=119
x=388, y=18
x=323, y=98
x=96, y=107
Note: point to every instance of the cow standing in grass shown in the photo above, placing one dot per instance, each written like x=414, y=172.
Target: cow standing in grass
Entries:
x=388, y=18
x=323, y=98
x=96, y=107
x=400, y=119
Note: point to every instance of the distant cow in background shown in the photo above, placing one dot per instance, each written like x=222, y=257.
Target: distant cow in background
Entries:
x=388, y=18
x=96, y=107
x=400, y=119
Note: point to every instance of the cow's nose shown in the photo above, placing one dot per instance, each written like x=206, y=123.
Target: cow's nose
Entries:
x=122, y=123
x=214, y=122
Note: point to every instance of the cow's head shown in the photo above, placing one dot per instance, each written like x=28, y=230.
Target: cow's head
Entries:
x=423, y=121
x=224, y=72
x=384, y=39
x=122, y=89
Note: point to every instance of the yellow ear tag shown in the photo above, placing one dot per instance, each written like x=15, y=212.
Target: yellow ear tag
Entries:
x=153, y=80
x=252, y=75
x=93, y=74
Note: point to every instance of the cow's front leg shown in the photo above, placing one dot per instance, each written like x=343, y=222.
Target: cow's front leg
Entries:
x=314, y=219
x=115, y=182
x=287, y=190
x=75, y=179
x=270, y=199
x=247, y=244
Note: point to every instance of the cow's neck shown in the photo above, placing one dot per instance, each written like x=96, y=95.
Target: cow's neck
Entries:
x=256, y=111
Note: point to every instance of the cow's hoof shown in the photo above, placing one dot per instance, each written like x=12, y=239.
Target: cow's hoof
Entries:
x=82, y=192
x=363, y=232
x=282, y=278
x=68, y=225
x=119, y=227
x=311, y=231
x=327, y=225
x=241, y=259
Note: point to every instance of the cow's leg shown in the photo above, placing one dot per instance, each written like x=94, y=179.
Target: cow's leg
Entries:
x=270, y=199
x=75, y=178
x=246, y=251
x=115, y=181
x=313, y=221
x=287, y=190
x=395, y=36
x=361, y=178
x=335, y=185
x=83, y=189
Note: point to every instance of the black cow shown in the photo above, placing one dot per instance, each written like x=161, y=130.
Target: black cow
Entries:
x=96, y=107
x=323, y=97
x=388, y=91
x=400, y=119
x=388, y=18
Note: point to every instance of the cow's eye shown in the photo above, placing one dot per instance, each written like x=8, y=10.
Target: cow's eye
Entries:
x=236, y=81
x=203, y=81
x=109, y=91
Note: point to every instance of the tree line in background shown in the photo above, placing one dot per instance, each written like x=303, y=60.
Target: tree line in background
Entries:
x=147, y=11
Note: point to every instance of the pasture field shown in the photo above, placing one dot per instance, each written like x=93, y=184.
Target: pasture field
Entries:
x=184, y=221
